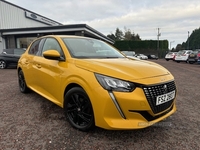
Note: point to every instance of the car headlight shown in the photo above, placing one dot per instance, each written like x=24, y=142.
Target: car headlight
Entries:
x=113, y=84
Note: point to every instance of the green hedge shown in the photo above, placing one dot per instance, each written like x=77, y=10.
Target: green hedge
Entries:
x=145, y=47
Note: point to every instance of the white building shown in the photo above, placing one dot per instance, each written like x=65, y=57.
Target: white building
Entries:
x=19, y=27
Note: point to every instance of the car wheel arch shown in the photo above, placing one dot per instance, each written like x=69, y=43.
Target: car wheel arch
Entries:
x=22, y=82
x=69, y=88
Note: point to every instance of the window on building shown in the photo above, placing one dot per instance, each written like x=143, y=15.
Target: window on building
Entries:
x=24, y=42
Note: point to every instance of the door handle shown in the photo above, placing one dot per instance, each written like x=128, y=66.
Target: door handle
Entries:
x=38, y=65
x=26, y=62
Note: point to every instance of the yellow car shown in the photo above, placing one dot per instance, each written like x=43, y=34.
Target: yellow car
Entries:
x=96, y=84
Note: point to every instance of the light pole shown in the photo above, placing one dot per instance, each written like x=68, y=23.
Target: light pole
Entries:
x=159, y=34
x=171, y=44
x=188, y=40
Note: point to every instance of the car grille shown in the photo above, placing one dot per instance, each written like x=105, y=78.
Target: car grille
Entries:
x=151, y=92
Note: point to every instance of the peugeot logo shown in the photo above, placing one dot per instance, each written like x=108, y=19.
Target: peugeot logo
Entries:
x=165, y=88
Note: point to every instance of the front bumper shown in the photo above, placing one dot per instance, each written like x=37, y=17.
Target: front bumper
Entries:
x=121, y=110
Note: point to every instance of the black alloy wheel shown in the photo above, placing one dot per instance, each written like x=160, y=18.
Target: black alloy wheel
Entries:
x=22, y=83
x=78, y=109
x=3, y=64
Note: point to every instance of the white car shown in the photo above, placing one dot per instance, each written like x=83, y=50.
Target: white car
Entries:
x=133, y=57
x=128, y=53
x=182, y=56
x=170, y=56
x=141, y=56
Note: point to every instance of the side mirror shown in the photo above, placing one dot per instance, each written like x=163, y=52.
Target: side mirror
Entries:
x=51, y=54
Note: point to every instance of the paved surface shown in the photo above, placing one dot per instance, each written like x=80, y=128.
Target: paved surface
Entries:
x=29, y=122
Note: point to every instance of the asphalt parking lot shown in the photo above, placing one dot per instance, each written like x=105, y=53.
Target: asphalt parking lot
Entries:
x=30, y=122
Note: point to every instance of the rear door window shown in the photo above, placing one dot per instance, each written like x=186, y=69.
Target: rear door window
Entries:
x=36, y=47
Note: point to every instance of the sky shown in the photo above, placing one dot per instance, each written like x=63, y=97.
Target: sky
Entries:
x=175, y=19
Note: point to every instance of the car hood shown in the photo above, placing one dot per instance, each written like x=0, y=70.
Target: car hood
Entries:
x=123, y=68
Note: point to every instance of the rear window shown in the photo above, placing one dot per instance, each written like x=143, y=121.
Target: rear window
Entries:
x=181, y=52
x=8, y=51
x=16, y=51
x=19, y=51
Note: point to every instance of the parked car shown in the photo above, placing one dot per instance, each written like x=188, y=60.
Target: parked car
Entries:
x=96, y=84
x=170, y=56
x=130, y=54
x=10, y=57
x=182, y=56
x=141, y=56
x=194, y=56
x=152, y=57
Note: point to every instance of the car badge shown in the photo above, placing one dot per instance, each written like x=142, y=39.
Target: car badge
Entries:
x=165, y=88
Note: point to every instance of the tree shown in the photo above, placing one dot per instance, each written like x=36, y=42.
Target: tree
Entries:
x=178, y=47
x=111, y=36
x=193, y=40
x=128, y=35
x=137, y=37
x=119, y=34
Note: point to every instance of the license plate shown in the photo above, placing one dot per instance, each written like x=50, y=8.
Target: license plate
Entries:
x=165, y=98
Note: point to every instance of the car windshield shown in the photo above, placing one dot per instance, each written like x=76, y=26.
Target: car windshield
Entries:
x=90, y=48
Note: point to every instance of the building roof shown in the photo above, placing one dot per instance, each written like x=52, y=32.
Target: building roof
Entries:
x=61, y=29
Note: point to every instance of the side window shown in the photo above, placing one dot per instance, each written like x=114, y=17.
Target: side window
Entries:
x=52, y=44
x=34, y=48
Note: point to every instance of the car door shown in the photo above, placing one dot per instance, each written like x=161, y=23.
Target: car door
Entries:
x=48, y=72
x=29, y=64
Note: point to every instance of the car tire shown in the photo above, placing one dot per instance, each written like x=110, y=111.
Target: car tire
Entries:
x=191, y=62
x=22, y=83
x=3, y=64
x=167, y=59
x=178, y=61
x=78, y=109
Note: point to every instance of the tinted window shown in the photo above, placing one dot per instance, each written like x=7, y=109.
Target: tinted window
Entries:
x=34, y=48
x=8, y=51
x=51, y=44
x=16, y=51
x=19, y=51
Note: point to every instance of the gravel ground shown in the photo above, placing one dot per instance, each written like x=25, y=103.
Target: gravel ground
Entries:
x=30, y=122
